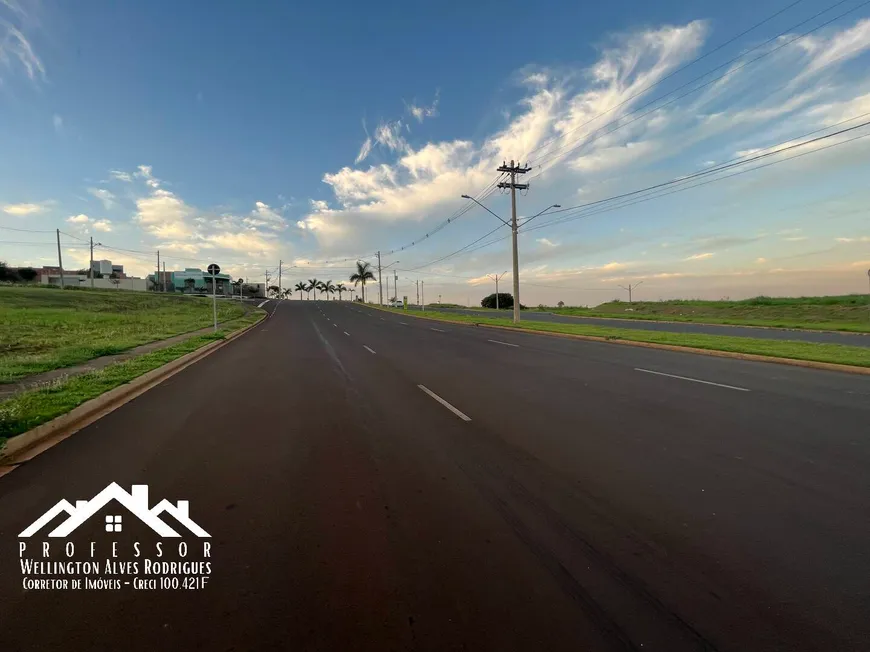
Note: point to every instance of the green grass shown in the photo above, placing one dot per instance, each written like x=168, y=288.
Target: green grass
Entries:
x=32, y=408
x=831, y=353
x=43, y=329
x=840, y=313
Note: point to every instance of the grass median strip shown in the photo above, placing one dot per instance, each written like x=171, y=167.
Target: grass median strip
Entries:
x=35, y=407
x=830, y=353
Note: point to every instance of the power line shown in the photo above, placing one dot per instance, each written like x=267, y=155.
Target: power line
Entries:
x=578, y=214
x=10, y=228
x=742, y=160
x=668, y=76
x=553, y=155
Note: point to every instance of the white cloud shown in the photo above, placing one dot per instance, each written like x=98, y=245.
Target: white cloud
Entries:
x=102, y=225
x=421, y=112
x=389, y=134
x=703, y=256
x=117, y=175
x=15, y=48
x=104, y=196
x=78, y=219
x=547, y=243
x=863, y=238
x=319, y=206
x=841, y=46
x=761, y=261
x=57, y=121
x=364, y=151
x=796, y=238
x=264, y=215
x=26, y=208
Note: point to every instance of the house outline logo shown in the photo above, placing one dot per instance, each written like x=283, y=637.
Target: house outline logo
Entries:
x=136, y=502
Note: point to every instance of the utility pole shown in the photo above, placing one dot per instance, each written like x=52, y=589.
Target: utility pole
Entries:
x=91, y=270
x=280, y=263
x=59, y=259
x=266, y=289
x=396, y=283
x=422, y=297
x=380, y=287
x=164, y=276
x=418, y=292
x=630, y=288
x=514, y=170
x=496, y=277
x=157, y=276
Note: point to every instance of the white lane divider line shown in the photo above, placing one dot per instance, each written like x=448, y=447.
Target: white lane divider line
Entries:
x=503, y=343
x=403, y=323
x=334, y=324
x=382, y=319
x=693, y=380
x=368, y=349
x=263, y=303
x=438, y=330
x=346, y=333
x=461, y=415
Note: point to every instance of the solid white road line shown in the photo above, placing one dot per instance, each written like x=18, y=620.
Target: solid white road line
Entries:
x=461, y=415
x=346, y=333
x=263, y=303
x=367, y=349
x=437, y=330
x=504, y=343
x=693, y=380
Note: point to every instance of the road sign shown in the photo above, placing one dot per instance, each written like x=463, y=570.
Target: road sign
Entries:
x=214, y=269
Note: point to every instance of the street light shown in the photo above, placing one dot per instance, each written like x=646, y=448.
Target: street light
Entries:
x=516, y=264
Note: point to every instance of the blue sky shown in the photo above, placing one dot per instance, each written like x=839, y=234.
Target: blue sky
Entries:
x=245, y=134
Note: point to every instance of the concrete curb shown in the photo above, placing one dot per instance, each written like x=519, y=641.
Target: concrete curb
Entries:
x=31, y=443
x=810, y=364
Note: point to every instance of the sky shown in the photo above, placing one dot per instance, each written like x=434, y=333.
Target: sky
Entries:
x=318, y=134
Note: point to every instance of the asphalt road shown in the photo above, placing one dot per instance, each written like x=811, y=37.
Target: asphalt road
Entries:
x=375, y=482
x=795, y=334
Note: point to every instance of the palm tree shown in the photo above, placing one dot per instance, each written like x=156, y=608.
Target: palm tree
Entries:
x=288, y=293
x=314, y=284
x=327, y=288
x=340, y=288
x=363, y=273
x=300, y=288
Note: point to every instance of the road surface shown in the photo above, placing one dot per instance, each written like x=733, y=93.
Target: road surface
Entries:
x=375, y=482
x=794, y=334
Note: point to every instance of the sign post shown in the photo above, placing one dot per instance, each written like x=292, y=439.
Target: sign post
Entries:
x=214, y=270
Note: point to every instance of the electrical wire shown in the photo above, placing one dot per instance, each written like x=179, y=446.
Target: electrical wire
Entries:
x=555, y=154
x=742, y=160
x=603, y=209
x=666, y=77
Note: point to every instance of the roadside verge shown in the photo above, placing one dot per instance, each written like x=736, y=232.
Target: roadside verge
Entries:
x=832, y=357
x=37, y=419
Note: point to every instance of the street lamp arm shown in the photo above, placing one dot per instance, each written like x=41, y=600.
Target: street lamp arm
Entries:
x=486, y=209
x=529, y=219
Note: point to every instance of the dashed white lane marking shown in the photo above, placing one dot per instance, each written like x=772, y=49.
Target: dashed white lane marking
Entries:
x=503, y=343
x=403, y=323
x=334, y=324
x=382, y=319
x=458, y=413
x=263, y=303
x=693, y=380
x=438, y=330
x=368, y=349
x=346, y=333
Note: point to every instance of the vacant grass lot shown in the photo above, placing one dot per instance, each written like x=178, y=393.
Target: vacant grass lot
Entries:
x=832, y=353
x=842, y=313
x=32, y=408
x=43, y=329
